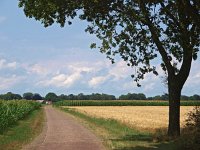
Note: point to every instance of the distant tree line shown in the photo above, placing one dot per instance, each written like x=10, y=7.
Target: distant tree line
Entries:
x=94, y=96
x=166, y=97
x=81, y=96
x=10, y=96
x=133, y=96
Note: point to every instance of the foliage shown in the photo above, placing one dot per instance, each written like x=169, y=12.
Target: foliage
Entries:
x=37, y=96
x=133, y=96
x=121, y=103
x=10, y=96
x=12, y=111
x=93, y=96
x=137, y=31
x=21, y=134
x=194, y=97
x=166, y=97
x=51, y=96
x=28, y=96
x=192, y=130
x=31, y=96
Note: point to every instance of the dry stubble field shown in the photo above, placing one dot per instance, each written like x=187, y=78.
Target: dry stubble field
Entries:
x=148, y=118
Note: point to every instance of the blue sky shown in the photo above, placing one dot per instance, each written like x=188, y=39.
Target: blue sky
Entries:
x=54, y=59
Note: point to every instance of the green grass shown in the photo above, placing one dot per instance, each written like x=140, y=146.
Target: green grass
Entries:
x=117, y=136
x=18, y=135
x=121, y=103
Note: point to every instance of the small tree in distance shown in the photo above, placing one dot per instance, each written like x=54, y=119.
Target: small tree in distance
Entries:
x=51, y=96
x=37, y=96
x=138, y=31
x=28, y=96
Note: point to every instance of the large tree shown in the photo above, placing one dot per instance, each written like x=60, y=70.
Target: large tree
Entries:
x=138, y=31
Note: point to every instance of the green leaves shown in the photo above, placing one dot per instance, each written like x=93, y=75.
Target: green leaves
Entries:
x=13, y=110
x=93, y=45
x=135, y=30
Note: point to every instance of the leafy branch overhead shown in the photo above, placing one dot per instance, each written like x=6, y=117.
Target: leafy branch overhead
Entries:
x=136, y=30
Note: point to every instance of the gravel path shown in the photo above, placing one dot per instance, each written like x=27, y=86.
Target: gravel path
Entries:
x=62, y=132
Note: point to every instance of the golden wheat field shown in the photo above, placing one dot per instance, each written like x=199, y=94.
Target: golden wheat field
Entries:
x=141, y=117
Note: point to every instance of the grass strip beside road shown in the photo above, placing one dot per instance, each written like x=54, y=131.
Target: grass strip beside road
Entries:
x=23, y=132
x=118, y=136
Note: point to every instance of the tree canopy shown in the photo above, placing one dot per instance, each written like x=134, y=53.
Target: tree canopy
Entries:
x=37, y=96
x=51, y=96
x=10, y=96
x=138, y=31
x=28, y=96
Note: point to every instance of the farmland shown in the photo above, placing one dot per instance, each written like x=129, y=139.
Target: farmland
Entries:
x=13, y=110
x=122, y=103
x=132, y=127
x=148, y=118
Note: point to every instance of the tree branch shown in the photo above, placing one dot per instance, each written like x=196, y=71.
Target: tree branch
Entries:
x=156, y=39
x=170, y=15
x=185, y=43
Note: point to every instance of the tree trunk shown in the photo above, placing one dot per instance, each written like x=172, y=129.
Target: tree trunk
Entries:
x=174, y=108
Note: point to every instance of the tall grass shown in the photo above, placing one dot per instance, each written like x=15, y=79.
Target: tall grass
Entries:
x=14, y=110
x=121, y=103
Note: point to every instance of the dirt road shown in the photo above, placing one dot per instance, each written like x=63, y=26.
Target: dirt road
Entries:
x=62, y=132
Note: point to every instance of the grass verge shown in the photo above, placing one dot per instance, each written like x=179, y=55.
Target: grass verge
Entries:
x=16, y=136
x=118, y=136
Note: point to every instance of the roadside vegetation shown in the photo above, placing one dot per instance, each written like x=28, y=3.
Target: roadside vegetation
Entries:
x=14, y=110
x=191, y=132
x=23, y=131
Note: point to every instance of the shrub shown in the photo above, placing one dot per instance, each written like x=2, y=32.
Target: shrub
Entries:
x=192, y=130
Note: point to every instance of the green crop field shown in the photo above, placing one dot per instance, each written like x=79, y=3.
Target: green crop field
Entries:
x=13, y=110
x=121, y=103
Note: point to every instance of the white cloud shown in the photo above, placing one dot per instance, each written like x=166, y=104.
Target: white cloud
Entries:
x=36, y=69
x=70, y=80
x=4, y=64
x=67, y=74
x=194, y=77
x=61, y=80
x=80, y=67
x=112, y=72
x=12, y=65
x=120, y=71
x=197, y=75
x=96, y=81
x=87, y=66
x=8, y=82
